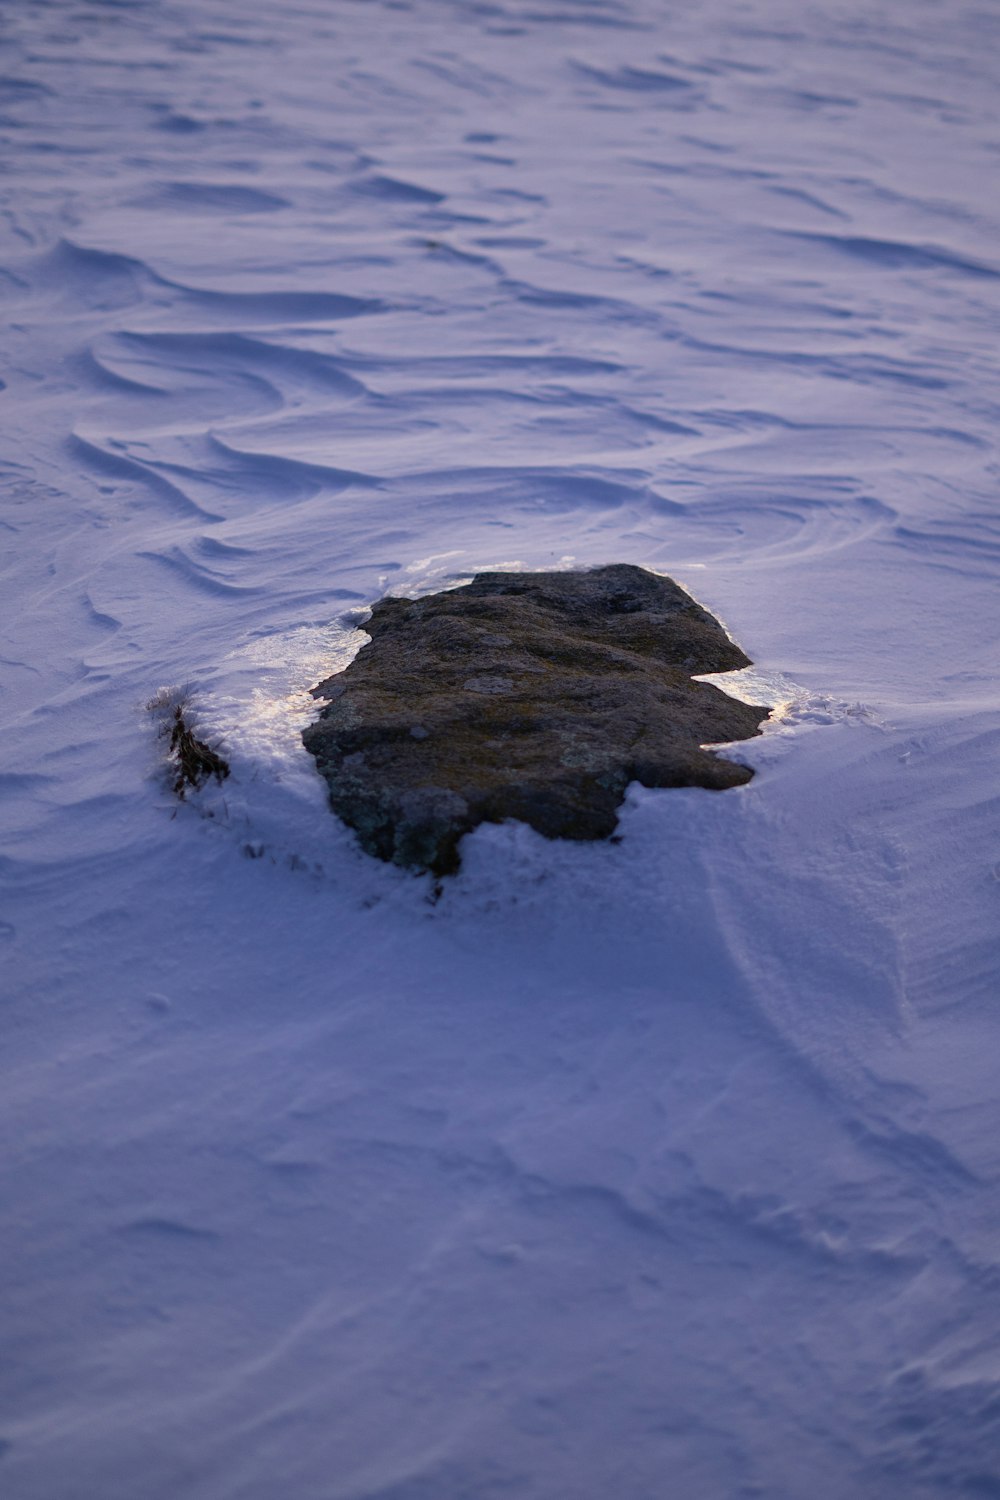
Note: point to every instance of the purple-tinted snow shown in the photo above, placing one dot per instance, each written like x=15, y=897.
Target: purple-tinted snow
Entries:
x=668, y=1168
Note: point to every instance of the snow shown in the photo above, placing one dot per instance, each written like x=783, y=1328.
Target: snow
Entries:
x=663, y=1167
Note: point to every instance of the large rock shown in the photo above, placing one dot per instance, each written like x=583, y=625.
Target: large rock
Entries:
x=536, y=696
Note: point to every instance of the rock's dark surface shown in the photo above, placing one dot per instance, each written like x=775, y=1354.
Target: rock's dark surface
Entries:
x=536, y=696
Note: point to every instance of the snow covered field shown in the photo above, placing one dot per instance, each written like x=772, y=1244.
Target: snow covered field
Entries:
x=662, y=1170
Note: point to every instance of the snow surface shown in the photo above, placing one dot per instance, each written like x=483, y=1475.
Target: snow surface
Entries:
x=659, y=1170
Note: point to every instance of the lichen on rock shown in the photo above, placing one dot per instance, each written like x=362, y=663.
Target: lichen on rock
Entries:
x=535, y=696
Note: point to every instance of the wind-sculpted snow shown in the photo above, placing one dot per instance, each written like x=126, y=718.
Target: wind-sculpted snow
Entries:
x=666, y=1166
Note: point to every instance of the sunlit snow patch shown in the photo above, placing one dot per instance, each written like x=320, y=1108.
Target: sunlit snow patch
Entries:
x=793, y=707
x=256, y=710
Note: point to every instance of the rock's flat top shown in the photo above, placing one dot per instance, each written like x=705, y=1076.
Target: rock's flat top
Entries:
x=536, y=696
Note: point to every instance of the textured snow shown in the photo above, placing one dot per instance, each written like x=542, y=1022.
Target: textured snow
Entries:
x=661, y=1168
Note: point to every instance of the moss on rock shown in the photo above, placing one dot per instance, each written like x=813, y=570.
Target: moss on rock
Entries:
x=536, y=696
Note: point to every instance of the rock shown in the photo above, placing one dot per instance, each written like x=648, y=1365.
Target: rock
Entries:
x=536, y=696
